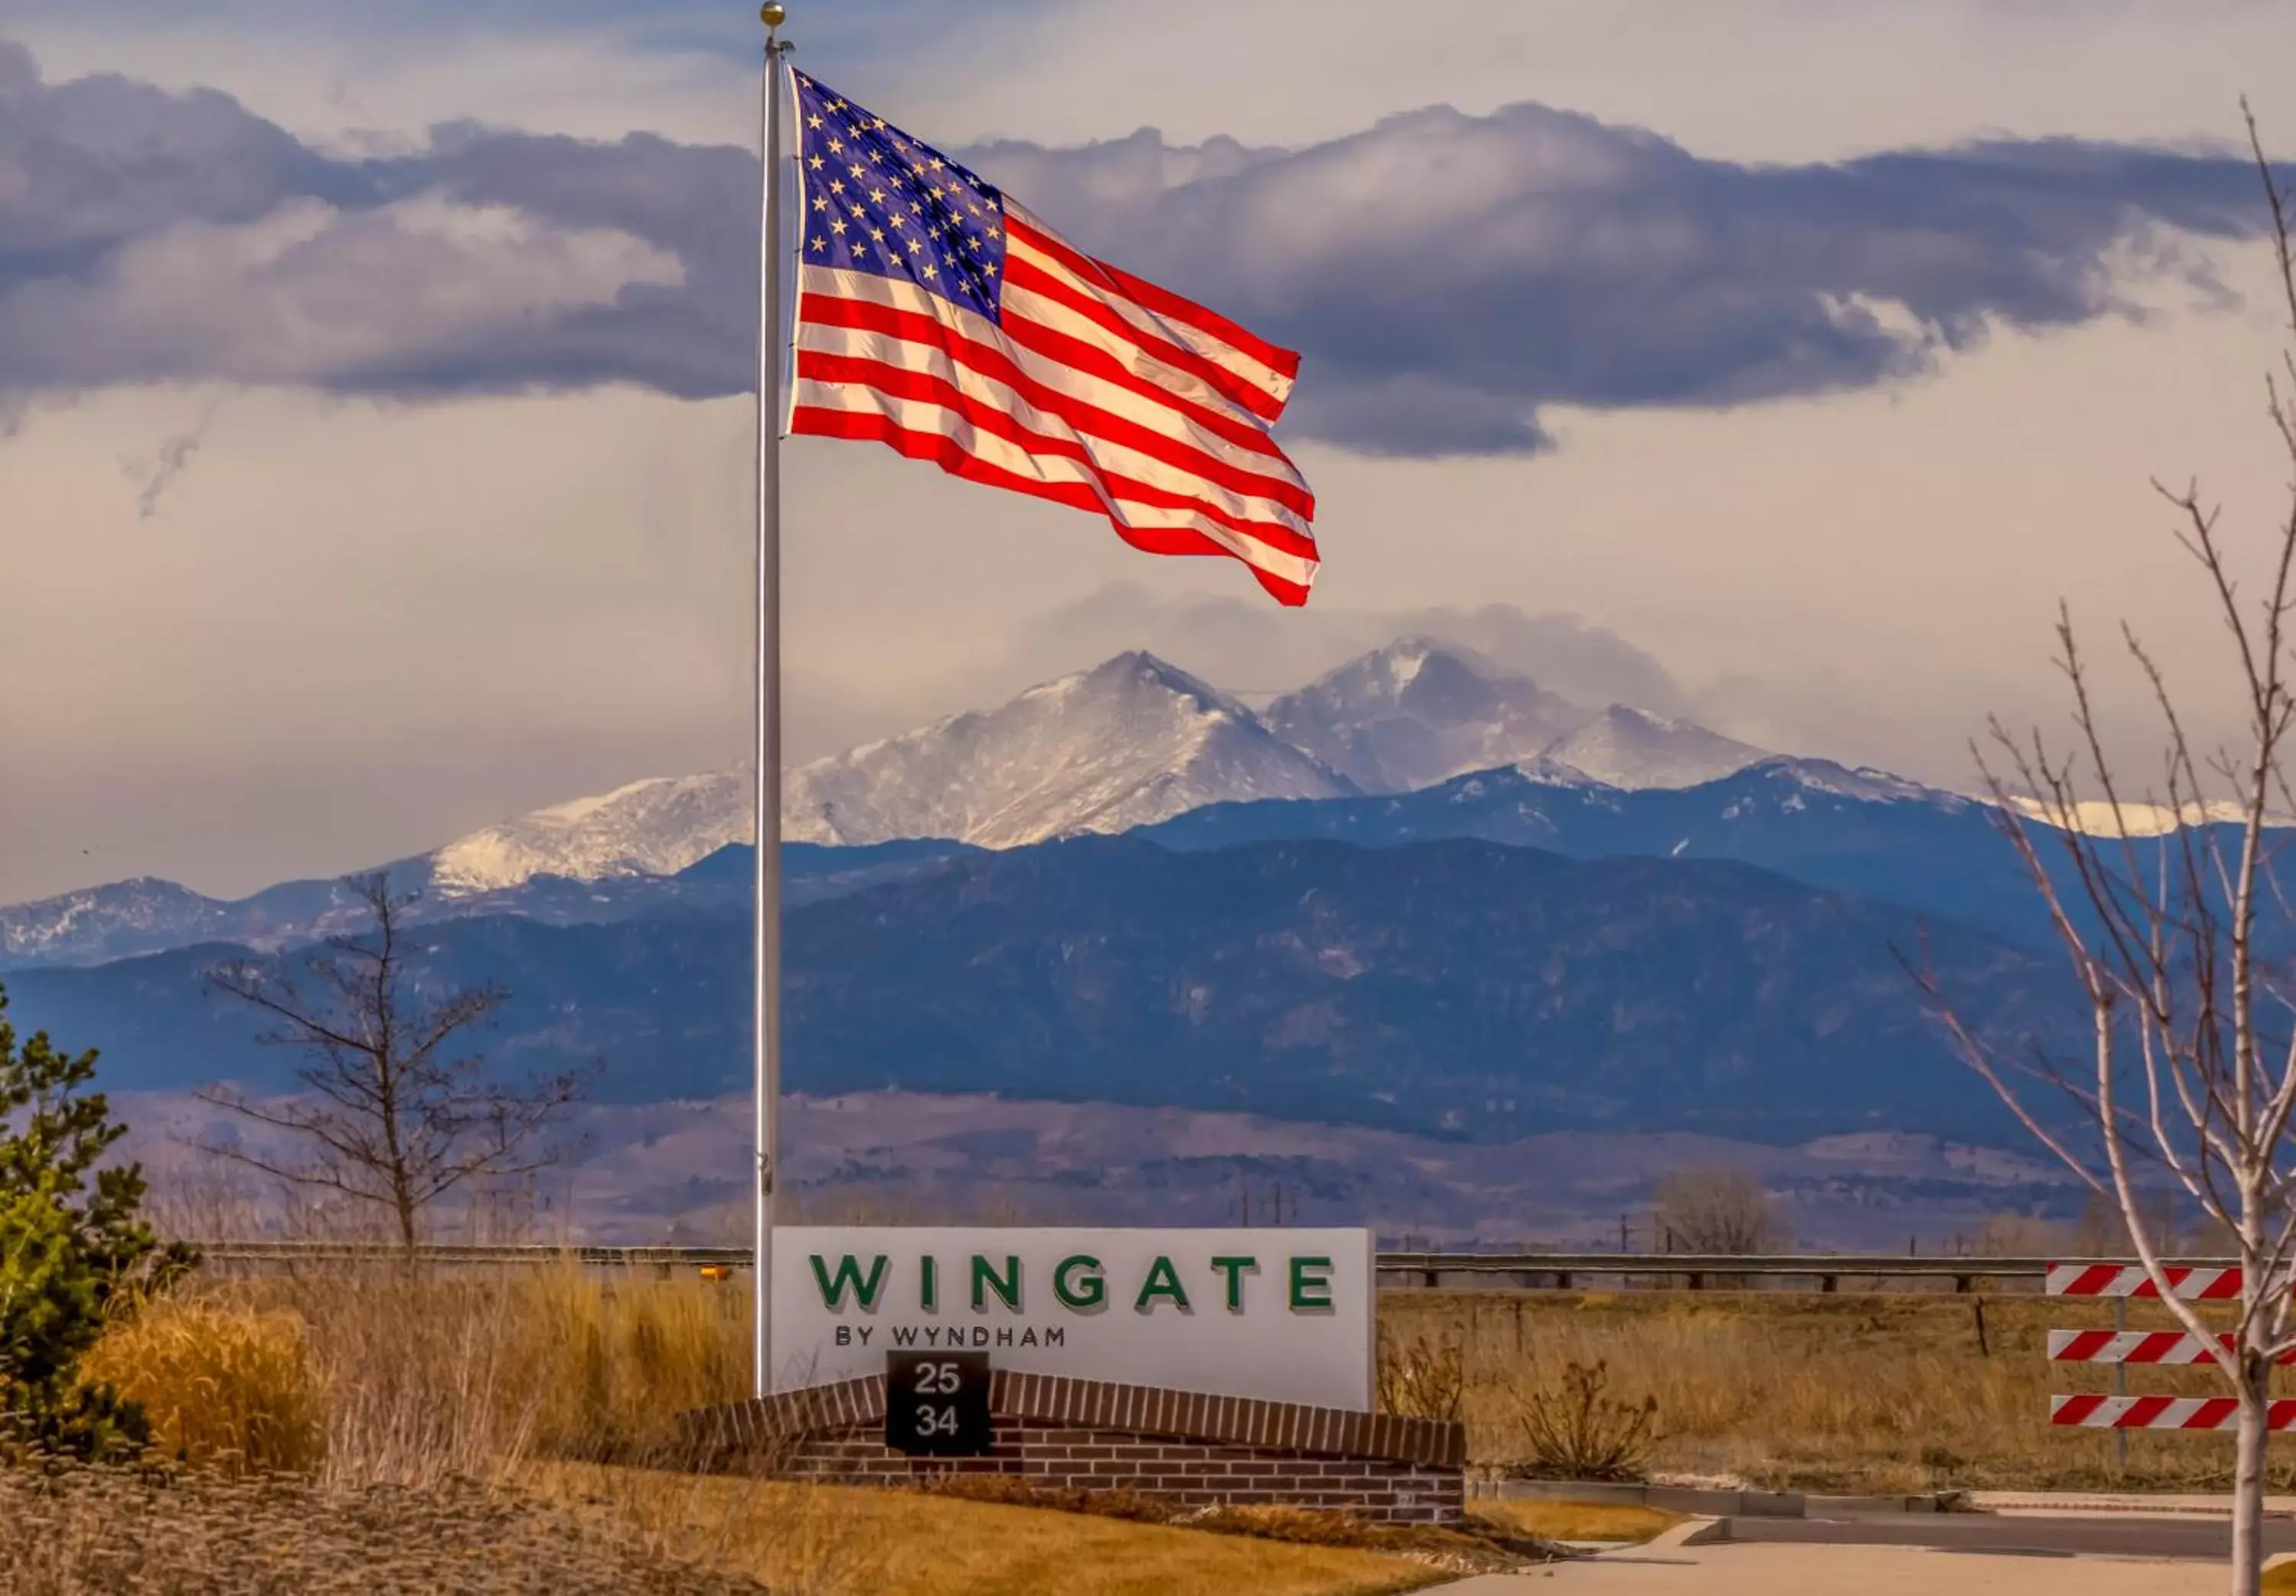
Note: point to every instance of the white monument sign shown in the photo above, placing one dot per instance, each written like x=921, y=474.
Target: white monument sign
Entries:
x=1280, y=1314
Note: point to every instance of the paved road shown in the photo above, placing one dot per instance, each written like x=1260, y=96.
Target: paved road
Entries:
x=2205, y=1539
x=1967, y=1554
x=1774, y=1569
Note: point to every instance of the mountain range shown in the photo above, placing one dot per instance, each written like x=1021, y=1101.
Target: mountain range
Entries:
x=1422, y=894
x=1458, y=987
x=1131, y=742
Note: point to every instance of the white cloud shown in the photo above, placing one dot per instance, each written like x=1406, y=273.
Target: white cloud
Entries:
x=311, y=294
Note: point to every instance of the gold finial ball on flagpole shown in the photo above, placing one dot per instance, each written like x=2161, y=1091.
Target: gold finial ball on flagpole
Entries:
x=773, y=13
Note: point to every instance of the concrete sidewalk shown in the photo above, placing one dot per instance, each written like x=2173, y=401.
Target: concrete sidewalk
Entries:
x=1667, y=1568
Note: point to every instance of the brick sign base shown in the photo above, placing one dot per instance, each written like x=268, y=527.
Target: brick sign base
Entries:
x=1095, y=1434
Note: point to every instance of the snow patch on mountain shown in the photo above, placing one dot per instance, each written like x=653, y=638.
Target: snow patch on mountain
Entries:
x=1632, y=748
x=1417, y=713
x=61, y=927
x=1864, y=782
x=655, y=827
x=1129, y=743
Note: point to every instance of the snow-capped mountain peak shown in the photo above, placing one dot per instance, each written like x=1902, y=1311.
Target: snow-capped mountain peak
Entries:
x=1630, y=748
x=61, y=925
x=1133, y=739
x=654, y=827
x=1417, y=712
x=1862, y=782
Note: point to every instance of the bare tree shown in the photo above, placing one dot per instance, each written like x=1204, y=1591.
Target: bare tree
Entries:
x=1717, y=1210
x=2167, y=907
x=391, y=1114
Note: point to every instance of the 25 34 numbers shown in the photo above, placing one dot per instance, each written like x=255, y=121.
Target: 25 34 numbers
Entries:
x=937, y=1405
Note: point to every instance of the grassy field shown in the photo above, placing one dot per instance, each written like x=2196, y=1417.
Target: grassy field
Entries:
x=832, y=1541
x=560, y=1391
x=1803, y=1390
x=554, y=1395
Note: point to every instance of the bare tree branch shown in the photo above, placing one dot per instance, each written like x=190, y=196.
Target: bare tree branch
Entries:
x=2169, y=929
x=388, y=1116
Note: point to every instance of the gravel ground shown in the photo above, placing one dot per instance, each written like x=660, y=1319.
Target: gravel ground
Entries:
x=113, y=1532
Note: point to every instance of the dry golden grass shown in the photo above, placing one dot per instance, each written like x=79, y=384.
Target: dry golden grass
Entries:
x=552, y=1383
x=377, y=1376
x=1575, y=1521
x=907, y=1543
x=1803, y=1390
x=234, y=1387
x=122, y=1532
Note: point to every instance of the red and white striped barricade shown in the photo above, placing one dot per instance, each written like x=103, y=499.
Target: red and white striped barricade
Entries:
x=2120, y=1346
x=2163, y=1412
x=2192, y=1283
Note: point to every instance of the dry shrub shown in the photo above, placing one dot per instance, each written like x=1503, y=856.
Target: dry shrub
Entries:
x=1717, y=1210
x=225, y=1387
x=1576, y=1428
x=616, y=1362
x=1421, y=1379
x=382, y=1374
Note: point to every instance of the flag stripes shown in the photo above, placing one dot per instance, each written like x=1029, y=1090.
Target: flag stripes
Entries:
x=937, y=316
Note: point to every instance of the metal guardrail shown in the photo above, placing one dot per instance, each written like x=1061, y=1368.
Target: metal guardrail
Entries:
x=1563, y=1271
x=533, y=1253
x=1700, y=1271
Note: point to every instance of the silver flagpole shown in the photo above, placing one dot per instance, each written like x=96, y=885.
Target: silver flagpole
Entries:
x=766, y=1039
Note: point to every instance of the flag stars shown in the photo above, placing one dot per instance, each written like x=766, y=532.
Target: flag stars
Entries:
x=888, y=204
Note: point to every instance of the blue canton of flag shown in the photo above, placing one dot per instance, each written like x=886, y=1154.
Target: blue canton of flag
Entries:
x=878, y=200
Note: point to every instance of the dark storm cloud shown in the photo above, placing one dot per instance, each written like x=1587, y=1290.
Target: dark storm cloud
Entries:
x=1446, y=276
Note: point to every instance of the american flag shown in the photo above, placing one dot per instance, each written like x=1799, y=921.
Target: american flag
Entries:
x=937, y=316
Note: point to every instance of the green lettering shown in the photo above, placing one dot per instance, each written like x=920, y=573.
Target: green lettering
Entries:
x=1311, y=1294
x=1234, y=1269
x=849, y=1277
x=1163, y=1281
x=1088, y=1293
x=1007, y=1286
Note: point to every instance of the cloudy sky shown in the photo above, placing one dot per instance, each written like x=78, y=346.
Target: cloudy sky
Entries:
x=374, y=434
